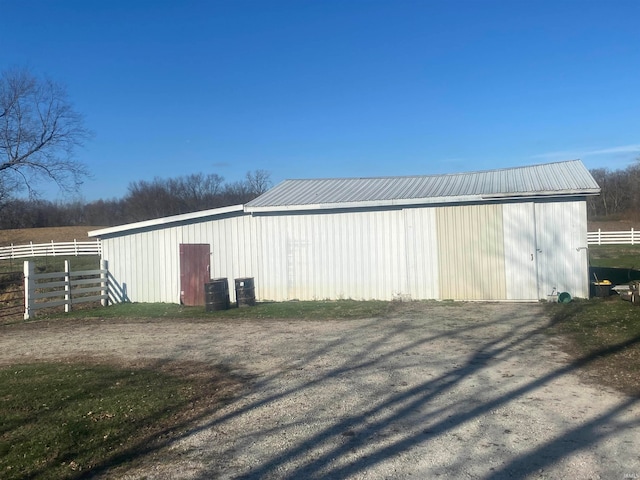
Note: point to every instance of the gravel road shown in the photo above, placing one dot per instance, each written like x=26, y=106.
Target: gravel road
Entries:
x=440, y=390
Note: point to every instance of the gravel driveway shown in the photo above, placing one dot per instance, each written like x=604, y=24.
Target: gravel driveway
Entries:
x=441, y=390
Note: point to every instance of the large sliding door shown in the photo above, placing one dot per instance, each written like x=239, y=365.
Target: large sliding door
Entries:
x=471, y=250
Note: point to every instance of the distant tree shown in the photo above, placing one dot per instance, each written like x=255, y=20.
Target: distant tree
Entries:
x=620, y=192
x=163, y=197
x=259, y=181
x=39, y=132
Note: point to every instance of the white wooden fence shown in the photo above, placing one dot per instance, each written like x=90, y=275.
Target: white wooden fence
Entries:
x=629, y=237
x=44, y=290
x=52, y=249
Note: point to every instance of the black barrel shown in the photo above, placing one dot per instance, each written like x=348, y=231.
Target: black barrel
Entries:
x=245, y=292
x=216, y=295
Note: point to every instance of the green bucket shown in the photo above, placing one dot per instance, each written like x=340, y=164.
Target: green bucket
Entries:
x=564, y=297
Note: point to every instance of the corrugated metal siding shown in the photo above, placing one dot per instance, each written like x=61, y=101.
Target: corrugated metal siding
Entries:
x=471, y=251
x=357, y=255
x=138, y=262
x=422, y=253
x=520, y=254
x=147, y=263
x=561, y=238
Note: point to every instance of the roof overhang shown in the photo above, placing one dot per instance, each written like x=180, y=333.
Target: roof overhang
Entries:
x=416, y=202
x=167, y=221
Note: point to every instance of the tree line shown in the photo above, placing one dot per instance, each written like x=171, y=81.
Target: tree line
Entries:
x=620, y=193
x=144, y=200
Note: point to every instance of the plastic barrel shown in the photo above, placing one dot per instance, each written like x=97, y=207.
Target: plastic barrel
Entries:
x=245, y=292
x=216, y=295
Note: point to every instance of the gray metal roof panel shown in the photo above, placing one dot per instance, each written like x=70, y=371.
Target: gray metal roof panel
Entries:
x=551, y=179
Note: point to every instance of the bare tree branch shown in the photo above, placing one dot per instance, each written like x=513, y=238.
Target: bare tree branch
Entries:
x=39, y=133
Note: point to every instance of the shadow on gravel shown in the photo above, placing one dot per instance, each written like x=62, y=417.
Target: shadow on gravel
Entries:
x=315, y=456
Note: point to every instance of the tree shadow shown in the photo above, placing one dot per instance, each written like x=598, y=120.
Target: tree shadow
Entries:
x=458, y=359
x=373, y=435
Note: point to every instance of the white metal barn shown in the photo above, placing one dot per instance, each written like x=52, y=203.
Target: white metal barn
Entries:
x=515, y=234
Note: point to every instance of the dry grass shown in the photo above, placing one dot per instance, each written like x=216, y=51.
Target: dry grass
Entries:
x=44, y=235
x=612, y=225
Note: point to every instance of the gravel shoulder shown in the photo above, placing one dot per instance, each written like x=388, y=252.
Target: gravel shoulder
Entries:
x=439, y=390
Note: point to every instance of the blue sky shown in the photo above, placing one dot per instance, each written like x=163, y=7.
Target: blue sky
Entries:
x=307, y=89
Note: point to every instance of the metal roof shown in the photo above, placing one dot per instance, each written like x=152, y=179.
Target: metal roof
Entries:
x=551, y=179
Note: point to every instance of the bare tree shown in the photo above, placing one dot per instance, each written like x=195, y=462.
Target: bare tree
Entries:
x=259, y=181
x=39, y=132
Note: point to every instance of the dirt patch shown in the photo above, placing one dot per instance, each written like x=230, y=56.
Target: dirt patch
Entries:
x=438, y=390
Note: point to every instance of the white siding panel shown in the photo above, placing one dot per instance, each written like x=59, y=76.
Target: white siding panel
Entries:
x=479, y=252
x=357, y=255
x=422, y=253
x=561, y=237
x=520, y=251
x=471, y=250
x=147, y=264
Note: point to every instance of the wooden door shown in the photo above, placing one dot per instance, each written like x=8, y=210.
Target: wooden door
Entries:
x=194, y=272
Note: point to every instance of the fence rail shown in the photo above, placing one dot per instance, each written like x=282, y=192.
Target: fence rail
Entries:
x=45, y=290
x=52, y=249
x=628, y=237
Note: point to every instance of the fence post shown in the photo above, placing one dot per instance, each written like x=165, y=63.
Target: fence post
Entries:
x=599, y=237
x=67, y=287
x=29, y=289
x=632, y=239
x=104, y=282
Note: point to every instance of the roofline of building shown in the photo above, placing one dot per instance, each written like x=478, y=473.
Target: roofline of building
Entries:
x=452, y=174
x=166, y=221
x=415, y=202
x=409, y=202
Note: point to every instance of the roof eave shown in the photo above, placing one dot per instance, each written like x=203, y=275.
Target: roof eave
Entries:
x=166, y=221
x=419, y=201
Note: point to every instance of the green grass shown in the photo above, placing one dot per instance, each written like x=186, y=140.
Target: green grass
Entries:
x=312, y=310
x=619, y=256
x=67, y=420
x=604, y=335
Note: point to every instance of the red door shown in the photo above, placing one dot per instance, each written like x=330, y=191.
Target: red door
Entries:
x=194, y=272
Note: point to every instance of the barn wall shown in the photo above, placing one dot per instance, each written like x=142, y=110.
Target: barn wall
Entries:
x=469, y=252
x=359, y=255
x=421, y=240
x=519, y=229
x=561, y=240
x=147, y=264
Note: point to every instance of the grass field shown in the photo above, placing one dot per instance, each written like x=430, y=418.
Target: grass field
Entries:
x=606, y=331
x=618, y=256
x=65, y=420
